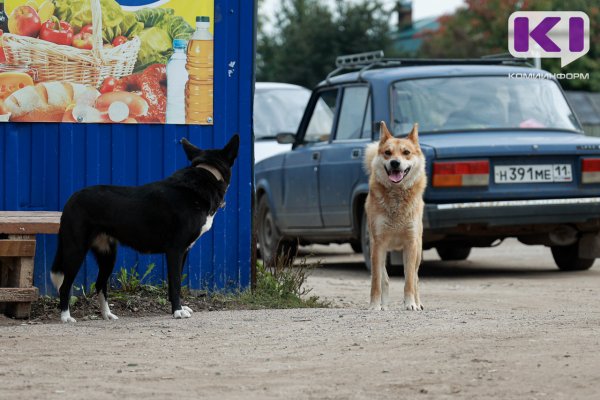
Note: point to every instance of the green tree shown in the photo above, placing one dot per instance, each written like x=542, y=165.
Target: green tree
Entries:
x=481, y=28
x=308, y=36
x=590, y=63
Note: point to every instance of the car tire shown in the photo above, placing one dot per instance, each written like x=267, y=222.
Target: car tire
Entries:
x=272, y=245
x=567, y=258
x=365, y=240
x=356, y=246
x=393, y=270
x=453, y=253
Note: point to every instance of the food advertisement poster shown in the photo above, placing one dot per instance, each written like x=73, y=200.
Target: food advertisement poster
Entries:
x=107, y=61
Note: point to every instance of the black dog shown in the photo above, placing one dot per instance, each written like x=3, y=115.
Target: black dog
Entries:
x=167, y=216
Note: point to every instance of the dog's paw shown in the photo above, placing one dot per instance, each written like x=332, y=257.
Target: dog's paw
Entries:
x=411, y=305
x=109, y=316
x=186, y=308
x=375, y=307
x=181, y=314
x=66, y=318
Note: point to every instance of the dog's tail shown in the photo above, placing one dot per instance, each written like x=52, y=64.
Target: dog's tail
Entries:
x=370, y=153
x=57, y=275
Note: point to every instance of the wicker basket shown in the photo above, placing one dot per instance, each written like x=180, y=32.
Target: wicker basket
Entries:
x=54, y=62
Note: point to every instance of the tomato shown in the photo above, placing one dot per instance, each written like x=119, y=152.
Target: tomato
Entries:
x=89, y=28
x=108, y=85
x=83, y=41
x=119, y=40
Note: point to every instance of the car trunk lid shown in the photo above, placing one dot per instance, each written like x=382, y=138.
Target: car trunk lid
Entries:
x=522, y=164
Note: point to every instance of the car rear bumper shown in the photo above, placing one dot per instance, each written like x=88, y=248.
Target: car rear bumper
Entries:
x=512, y=212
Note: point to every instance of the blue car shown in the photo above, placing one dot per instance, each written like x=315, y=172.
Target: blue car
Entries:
x=506, y=157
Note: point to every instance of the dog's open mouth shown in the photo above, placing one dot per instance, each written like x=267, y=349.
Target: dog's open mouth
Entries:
x=397, y=175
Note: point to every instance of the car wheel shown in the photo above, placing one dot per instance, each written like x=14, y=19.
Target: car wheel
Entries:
x=272, y=245
x=453, y=253
x=356, y=246
x=567, y=258
x=365, y=240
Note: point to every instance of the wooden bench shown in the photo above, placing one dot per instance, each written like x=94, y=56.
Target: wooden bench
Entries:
x=17, y=252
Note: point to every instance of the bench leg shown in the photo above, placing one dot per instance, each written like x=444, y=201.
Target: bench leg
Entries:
x=4, y=266
x=20, y=276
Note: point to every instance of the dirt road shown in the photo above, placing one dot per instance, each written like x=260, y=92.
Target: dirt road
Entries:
x=503, y=325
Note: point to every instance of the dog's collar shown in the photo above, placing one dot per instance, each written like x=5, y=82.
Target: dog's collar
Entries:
x=212, y=170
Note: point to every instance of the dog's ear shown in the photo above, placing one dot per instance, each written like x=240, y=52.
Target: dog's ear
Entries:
x=413, y=136
x=230, y=151
x=384, y=133
x=191, y=151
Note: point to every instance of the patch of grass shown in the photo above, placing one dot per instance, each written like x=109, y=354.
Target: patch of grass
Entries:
x=280, y=286
x=131, y=282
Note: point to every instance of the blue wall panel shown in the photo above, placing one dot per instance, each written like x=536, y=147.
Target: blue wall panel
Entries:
x=41, y=165
x=2, y=162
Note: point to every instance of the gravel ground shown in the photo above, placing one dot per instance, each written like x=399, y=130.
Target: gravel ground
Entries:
x=503, y=325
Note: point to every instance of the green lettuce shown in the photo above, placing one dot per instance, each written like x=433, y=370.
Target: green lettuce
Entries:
x=164, y=18
x=156, y=47
x=156, y=27
x=176, y=27
x=161, y=28
x=153, y=16
x=115, y=21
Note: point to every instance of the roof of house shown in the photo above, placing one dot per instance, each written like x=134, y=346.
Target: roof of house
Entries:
x=409, y=40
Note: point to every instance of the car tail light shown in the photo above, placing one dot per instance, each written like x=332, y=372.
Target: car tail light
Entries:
x=461, y=173
x=590, y=170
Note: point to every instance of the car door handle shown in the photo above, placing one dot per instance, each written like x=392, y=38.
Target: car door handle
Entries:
x=355, y=153
x=316, y=156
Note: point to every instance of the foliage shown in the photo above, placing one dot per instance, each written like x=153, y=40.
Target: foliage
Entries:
x=281, y=286
x=115, y=20
x=130, y=282
x=588, y=63
x=481, y=28
x=308, y=36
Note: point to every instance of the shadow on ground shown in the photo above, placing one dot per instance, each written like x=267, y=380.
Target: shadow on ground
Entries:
x=466, y=270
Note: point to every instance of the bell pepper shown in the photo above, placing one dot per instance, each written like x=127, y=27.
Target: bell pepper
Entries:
x=55, y=31
x=2, y=56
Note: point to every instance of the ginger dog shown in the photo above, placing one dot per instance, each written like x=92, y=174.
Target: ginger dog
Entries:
x=394, y=210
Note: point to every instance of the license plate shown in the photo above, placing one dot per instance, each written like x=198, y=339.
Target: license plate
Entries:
x=533, y=173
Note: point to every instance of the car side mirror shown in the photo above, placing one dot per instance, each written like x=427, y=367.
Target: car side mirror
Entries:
x=286, y=138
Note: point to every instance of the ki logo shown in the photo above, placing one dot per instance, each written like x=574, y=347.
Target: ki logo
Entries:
x=549, y=34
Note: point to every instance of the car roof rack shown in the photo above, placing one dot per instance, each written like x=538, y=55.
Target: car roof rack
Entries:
x=375, y=59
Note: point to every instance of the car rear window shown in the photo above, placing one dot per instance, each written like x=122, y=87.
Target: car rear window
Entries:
x=278, y=110
x=479, y=102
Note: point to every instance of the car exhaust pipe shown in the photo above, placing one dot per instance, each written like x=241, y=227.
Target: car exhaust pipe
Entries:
x=564, y=235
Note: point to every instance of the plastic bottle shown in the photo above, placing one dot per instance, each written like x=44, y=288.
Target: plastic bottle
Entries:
x=3, y=18
x=199, y=88
x=177, y=77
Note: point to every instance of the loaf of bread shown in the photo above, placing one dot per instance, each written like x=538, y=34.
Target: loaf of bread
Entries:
x=47, y=101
